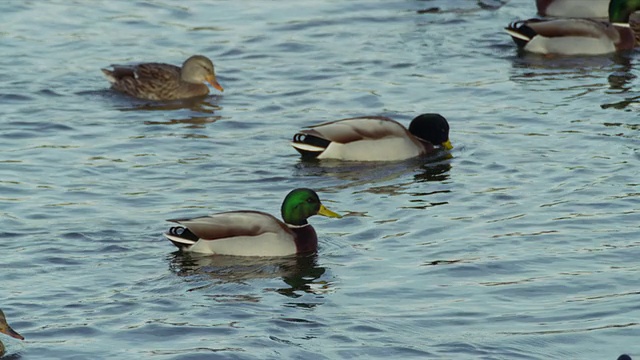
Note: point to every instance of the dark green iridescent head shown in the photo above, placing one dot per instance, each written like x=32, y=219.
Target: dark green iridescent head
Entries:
x=620, y=10
x=302, y=203
x=433, y=128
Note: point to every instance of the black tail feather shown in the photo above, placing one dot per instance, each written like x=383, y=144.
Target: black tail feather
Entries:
x=312, y=140
x=183, y=233
x=521, y=27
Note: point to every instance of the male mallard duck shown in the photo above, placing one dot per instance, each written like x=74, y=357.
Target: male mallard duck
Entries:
x=156, y=81
x=373, y=138
x=573, y=8
x=254, y=233
x=575, y=36
x=6, y=329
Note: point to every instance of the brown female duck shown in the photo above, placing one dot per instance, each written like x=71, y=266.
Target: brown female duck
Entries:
x=157, y=81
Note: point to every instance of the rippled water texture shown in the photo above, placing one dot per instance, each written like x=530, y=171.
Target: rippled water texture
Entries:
x=524, y=244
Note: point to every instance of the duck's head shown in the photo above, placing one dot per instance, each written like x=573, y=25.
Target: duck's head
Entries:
x=433, y=128
x=621, y=10
x=6, y=329
x=302, y=203
x=198, y=69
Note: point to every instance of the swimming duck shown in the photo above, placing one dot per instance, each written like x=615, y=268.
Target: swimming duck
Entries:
x=254, y=233
x=156, y=81
x=6, y=329
x=576, y=36
x=373, y=138
x=573, y=8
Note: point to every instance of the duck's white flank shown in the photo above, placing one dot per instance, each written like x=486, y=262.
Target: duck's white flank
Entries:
x=240, y=233
x=387, y=149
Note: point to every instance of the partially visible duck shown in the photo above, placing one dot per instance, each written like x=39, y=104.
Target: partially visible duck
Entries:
x=373, y=138
x=573, y=8
x=157, y=81
x=6, y=329
x=576, y=36
x=254, y=233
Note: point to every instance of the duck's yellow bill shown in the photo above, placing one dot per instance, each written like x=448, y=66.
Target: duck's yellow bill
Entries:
x=211, y=79
x=328, y=213
x=447, y=145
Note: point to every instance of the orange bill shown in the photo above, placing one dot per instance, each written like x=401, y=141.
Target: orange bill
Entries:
x=9, y=331
x=211, y=79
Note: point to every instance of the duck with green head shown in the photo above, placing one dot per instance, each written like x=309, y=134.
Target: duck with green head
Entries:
x=373, y=138
x=6, y=329
x=254, y=233
x=579, y=36
x=158, y=81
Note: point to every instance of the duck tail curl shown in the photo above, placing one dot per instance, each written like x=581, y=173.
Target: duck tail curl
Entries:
x=521, y=32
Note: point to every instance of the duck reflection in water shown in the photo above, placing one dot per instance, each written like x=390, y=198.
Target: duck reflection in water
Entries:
x=355, y=174
x=300, y=273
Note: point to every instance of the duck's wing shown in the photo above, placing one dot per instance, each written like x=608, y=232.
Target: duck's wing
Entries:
x=152, y=81
x=527, y=29
x=143, y=72
x=565, y=36
x=357, y=129
x=246, y=233
x=315, y=139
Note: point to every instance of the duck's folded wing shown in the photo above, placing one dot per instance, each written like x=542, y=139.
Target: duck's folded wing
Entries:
x=240, y=233
x=356, y=129
x=570, y=27
x=147, y=71
x=232, y=224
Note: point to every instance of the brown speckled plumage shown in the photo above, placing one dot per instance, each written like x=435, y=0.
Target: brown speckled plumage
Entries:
x=157, y=81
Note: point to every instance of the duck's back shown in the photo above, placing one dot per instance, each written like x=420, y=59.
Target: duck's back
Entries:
x=242, y=233
x=152, y=81
x=373, y=138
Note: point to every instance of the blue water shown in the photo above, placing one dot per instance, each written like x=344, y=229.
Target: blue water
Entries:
x=524, y=244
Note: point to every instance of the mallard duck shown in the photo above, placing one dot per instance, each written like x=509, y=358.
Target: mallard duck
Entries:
x=575, y=36
x=254, y=233
x=373, y=138
x=156, y=81
x=6, y=329
x=573, y=8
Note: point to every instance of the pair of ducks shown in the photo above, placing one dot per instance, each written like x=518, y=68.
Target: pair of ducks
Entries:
x=577, y=32
x=255, y=233
x=6, y=329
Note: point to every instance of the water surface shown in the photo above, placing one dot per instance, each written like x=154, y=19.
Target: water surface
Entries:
x=522, y=245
